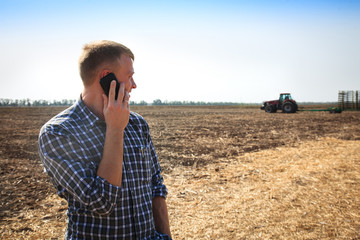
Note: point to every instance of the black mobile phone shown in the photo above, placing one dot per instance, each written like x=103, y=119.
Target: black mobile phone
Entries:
x=105, y=84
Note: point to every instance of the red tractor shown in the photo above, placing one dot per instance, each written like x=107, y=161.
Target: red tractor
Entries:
x=285, y=103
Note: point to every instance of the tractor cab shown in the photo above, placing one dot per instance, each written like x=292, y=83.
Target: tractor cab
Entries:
x=284, y=97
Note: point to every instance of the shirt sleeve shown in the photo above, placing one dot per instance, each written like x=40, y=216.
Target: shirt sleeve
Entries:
x=68, y=167
x=157, y=181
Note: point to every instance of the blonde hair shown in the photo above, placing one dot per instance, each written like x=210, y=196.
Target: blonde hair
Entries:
x=98, y=53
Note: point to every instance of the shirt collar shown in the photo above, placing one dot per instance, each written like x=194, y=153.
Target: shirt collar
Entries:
x=85, y=114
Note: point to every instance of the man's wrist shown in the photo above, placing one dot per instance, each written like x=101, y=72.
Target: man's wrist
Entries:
x=114, y=132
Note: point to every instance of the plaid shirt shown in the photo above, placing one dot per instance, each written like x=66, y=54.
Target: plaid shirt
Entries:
x=71, y=146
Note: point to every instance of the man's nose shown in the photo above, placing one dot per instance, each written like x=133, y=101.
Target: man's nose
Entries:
x=133, y=84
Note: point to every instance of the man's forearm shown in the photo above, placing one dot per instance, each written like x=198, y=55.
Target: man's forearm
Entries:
x=161, y=217
x=110, y=167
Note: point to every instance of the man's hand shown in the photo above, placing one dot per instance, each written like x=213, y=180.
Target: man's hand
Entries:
x=116, y=112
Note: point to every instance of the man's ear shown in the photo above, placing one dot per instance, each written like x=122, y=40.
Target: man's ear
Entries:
x=104, y=73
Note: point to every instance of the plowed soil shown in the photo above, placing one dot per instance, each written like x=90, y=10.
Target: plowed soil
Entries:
x=232, y=173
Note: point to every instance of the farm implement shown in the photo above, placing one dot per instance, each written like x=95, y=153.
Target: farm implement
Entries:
x=330, y=110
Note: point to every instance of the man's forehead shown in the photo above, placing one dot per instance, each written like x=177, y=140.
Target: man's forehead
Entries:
x=125, y=63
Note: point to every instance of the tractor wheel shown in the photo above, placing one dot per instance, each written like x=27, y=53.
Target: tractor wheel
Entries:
x=288, y=108
x=269, y=109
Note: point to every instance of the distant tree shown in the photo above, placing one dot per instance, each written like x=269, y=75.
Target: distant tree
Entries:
x=157, y=102
x=143, y=103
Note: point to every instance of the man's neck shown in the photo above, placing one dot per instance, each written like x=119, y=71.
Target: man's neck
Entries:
x=94, y=102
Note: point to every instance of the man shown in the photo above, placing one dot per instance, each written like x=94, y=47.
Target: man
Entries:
x=100, y=156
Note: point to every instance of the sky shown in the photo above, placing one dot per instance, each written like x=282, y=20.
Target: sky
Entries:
x=243, y=51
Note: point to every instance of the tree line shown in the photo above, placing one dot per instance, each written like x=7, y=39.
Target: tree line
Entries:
x=158, y=102
x=5, y=102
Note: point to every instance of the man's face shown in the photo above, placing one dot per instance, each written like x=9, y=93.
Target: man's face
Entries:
x=124, y=72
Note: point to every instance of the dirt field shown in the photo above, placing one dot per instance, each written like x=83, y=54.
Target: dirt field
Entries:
x=232, y=173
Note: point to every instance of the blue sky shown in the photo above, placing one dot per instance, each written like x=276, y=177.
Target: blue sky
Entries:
x=238, y=51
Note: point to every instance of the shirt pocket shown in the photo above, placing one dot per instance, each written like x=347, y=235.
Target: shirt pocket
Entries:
x=144, y=164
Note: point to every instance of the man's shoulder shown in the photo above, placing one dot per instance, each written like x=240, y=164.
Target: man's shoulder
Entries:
x=137, y=118
x=61, y=122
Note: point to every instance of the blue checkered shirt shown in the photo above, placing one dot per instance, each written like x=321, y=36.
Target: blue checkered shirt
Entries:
x=71, y=146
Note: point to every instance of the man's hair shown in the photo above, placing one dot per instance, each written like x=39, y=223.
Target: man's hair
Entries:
x=97, y=54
